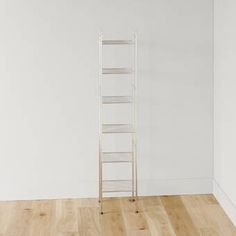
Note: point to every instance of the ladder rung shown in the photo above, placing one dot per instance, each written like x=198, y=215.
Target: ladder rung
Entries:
x=116, y=157
x=117, y=70
x=117, y=128
x=117, y=186
x=116, y=99
x=117, y=42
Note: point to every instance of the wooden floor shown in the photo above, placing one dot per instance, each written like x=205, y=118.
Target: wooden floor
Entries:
x=167, y=216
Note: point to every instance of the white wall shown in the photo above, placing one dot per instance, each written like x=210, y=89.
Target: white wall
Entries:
x=225, y=108
x=49, y=88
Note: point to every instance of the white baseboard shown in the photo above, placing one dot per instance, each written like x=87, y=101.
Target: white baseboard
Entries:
x=175, y=186
x=225, y=202
x=89, y=189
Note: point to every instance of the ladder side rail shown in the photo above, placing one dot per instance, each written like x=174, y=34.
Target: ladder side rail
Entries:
x=133, y=123
x=135, y=114
x=100, y=125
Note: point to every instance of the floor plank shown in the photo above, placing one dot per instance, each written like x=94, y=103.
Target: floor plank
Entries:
x=179, y=216
x=7, y=211
x=113, y=224
x=43, y=221
x=89, y=220
x=22, y=216
x=67, y=216
x=158, y=221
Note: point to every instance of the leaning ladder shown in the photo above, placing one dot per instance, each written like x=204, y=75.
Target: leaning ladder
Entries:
x=129, y=157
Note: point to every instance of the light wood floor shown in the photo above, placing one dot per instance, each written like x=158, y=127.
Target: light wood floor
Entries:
x=167, y=216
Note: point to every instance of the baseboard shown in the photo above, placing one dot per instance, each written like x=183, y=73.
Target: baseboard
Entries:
x=89, y=189
x=225, y=202
x=175, y=186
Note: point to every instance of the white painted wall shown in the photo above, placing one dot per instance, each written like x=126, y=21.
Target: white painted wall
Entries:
x=49, y=88
x=225, y=108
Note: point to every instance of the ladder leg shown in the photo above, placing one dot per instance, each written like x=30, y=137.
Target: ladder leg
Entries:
x=133, y=182
x=100, y=178
x=101, y=207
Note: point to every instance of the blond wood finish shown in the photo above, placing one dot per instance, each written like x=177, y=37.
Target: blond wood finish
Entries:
x=188, y=215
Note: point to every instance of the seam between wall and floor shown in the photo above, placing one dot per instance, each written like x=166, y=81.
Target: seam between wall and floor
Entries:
x=225, y=201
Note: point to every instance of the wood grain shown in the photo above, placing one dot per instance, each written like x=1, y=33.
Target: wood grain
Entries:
x=188, y=215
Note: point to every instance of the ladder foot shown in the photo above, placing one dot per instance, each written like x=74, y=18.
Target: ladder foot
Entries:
x=132, y=200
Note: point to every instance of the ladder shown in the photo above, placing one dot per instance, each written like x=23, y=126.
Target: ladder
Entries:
x=128, y=157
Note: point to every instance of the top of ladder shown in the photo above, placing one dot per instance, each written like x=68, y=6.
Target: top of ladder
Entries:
x=117, y=42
